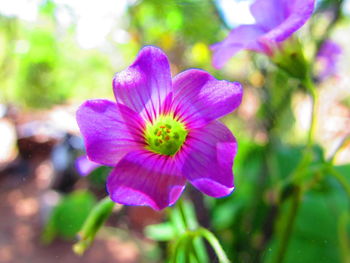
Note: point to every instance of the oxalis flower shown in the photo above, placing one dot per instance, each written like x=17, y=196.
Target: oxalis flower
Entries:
x=162, y=132
x=275, y=21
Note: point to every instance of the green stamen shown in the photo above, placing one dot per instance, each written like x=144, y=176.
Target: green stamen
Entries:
x=165, y=136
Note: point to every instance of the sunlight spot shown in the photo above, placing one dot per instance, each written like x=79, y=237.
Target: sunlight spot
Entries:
x=236, y=12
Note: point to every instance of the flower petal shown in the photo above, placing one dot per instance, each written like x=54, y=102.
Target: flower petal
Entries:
x=84, y=166
x=147, y=179
x=298, y=12
x=145, y=86
x=110, y=130
x=269, y=13
x=327, y=58
x=199, y=98
x=242, y=37
x=207, y=159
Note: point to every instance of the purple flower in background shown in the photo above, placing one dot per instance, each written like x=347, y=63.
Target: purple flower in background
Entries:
x=84, y=166
x=327, y=58
x=276, y=20
x=162, y=132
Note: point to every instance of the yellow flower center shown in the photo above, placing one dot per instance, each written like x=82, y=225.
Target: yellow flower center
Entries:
x=165, y=136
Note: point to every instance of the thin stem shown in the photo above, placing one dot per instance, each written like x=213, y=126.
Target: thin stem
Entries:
x=92, y=224
x=298, y=174
x=199, y=249
x=345, y=141
x=341, y=180
x=209, y=236
x=307, y=156
x=313, y=123
x=182, y=241
x=288, y=229
x=312, y=129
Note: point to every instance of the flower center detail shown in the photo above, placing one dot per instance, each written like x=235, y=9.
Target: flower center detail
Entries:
x=165, y=136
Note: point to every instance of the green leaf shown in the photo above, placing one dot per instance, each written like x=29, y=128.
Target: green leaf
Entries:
x=98, y=177
x=69, y=215
x=314, y=237
x=344, y=170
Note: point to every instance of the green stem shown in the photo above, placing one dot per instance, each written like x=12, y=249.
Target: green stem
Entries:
x=298, y=174
x=330, y=166
x=209, y=236
x=307, y=156
x=345, y=141
x=313, y=123
x=177, y=248
x=288, y=229
x=188, y=214
x=92, y=224
x=199, y=249
x=183, y=216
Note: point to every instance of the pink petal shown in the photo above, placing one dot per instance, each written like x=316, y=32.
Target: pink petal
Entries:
x=110, y=130
x=199, y=98
x=269, y=13
x=85, y=166
x=146, y=179
x=145, y=86
x=207, y=159
x=298, y=12
x=242, y=37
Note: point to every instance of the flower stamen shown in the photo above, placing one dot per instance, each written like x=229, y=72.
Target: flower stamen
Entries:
x=165, y=135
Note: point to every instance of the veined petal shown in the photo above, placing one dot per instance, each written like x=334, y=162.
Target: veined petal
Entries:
x=145, y=86
x=146, y=179
x=199, y=98
x=110, y=130
x=207, y=159
x=299, y=11
x=242, y=37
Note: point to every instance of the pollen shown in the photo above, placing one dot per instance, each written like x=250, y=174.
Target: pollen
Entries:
x=165, y=135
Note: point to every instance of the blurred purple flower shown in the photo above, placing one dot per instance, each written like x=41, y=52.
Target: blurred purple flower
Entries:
x=162, y=132
x=84, y=166
x=327, y=58
x=276, y=20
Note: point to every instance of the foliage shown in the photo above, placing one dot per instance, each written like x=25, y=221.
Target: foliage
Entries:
x=68, y=216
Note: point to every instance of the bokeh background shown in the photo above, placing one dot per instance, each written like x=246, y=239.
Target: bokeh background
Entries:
x=54, y=54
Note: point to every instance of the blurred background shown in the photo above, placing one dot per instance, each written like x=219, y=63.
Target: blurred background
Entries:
x=54, y=54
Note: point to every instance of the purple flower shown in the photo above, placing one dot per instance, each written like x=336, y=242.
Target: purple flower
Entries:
x=84, y=166
x=327, y=58
x=162, y=132
x=276, y=20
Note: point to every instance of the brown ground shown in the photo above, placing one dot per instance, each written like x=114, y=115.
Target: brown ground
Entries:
x=21, y=224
